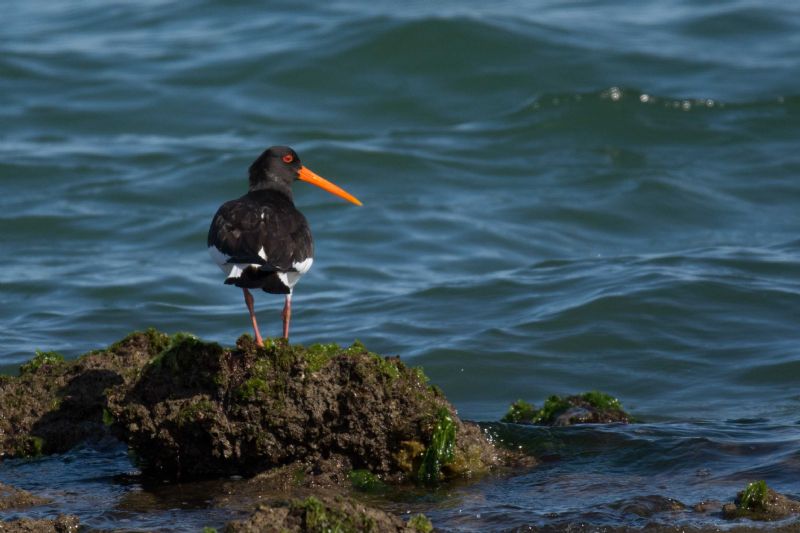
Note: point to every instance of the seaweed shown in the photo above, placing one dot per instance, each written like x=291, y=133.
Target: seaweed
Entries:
x=754, y=496
x=318, y=518
x=520, y=412
x=420, y=523
x=39, y=360
x=601, y=400
x=365, y=481
x=590, y=407
x=440, y=450
x=553, y=406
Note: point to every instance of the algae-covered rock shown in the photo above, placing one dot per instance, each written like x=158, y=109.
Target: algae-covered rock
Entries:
x=61, y=524
x=759, y=502
x=200, y=410
x=14, y=498
x=325, y=514
x=588, y=408
x=53, y=405
x=193, y=409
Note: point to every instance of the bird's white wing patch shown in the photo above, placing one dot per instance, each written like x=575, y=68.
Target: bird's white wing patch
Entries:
x=231, y=270
x=262, y=254
x=290, y=279
x=303, y=266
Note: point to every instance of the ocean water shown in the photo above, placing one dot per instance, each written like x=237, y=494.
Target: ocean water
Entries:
x=558, y=197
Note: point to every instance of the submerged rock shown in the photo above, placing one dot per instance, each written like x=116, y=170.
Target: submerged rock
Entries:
x=201, y=410
x=588, y=408
x=323, y=514
x=54, y=405
x=759, y=502
x=61, y=524
x=14, y=498
x=647, y=506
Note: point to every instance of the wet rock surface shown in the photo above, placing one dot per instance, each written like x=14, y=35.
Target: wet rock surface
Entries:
x=61, y=524
x=193, y=409
x=646, y=506
x=14, y=498
x=199, y=410
x=759, y=502
x=54, y=405
x=326, y=513
x=572, y=527
x=314, y=426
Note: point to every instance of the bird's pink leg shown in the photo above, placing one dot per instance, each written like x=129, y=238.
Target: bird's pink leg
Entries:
x=287, y=316
x=248, y=299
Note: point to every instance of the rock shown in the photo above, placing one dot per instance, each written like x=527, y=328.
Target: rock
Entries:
x=62, y=524
x=53, y=405
x=588, y=408
x=14, y=498
x=190, y=409
x=323, y=514
x=707, y=506
x=647, y=506
x=759, y=502
x=200, y=410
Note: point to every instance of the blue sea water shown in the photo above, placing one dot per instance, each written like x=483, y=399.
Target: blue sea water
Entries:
x=558, y=197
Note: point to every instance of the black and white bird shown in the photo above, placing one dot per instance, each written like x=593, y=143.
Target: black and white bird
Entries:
x=261, y=240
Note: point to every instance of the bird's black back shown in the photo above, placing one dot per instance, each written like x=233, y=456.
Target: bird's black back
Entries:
x=262, y=219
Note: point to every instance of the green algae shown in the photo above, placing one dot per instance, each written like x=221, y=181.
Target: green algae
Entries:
x=189, y=361
x=440, y=450
x=553, y=406
x=420, y=523
x=520, y=411
x=37, y=446
x=603, y=405
x=31, y=446
x=277, y=358
x=318, y=518
x=170, y=357
x=759, y=502
x=39, y=360
x=252, y=389
x=318, y=355
x=298, y=475
x=754, y=497
x=193, y=411
x=419, y=375
x=601, y=400
x=157, y=341
x=357, y=348
x=409, y=455
x=388, y=366
x=108, y=418
x=365, y=481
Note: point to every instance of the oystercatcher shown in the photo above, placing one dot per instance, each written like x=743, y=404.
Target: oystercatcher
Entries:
x=261, y=240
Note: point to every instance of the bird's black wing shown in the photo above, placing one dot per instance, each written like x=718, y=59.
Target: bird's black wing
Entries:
x=269, y=232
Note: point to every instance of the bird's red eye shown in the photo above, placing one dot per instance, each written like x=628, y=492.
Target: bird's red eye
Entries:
x=288, y=158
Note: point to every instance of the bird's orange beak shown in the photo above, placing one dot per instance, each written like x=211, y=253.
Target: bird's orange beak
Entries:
x=322, y=183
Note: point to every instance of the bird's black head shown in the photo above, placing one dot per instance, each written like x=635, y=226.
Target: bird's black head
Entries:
x=275, y=169
x=279, y=166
